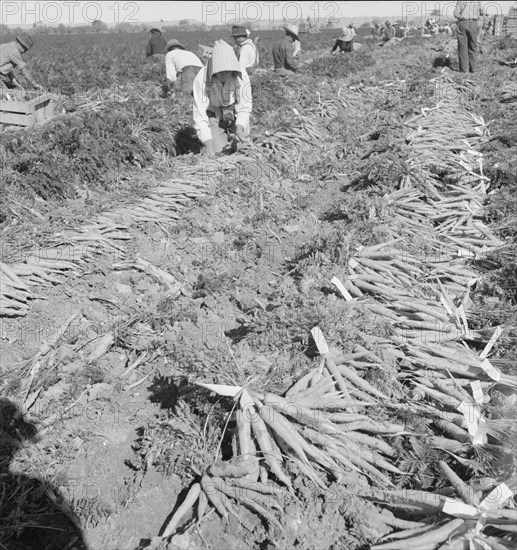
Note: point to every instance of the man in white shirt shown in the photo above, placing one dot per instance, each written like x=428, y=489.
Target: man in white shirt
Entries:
x=222, y=101
x=181, y=66
x=248, y=54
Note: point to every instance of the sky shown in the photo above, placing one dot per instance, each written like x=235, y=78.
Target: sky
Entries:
x=15, y=12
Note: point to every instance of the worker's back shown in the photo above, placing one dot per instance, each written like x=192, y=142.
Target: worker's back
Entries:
x=156, y=45
x=279, y=52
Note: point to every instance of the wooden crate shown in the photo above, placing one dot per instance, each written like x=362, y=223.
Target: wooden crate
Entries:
x=25, y=108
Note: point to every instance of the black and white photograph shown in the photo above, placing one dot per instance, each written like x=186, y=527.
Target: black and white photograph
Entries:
x=258, y=275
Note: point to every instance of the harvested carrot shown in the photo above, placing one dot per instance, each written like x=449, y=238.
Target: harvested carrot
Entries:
x=246, y=447
x=309, y=471
x=227, y=469
x=298, y=412
x=362, y=384
x=273, y=460
x=369, y=441
x=300, y=385
x=213, y=495
x=389, y=519
x=202, y=505
x=459, y=434
x=410, y=533
x=426, y=541
x=185, y=506
x=336, y=374
x=284, y=430
x=268, y=488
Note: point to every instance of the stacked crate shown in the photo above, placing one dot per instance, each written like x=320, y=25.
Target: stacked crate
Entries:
x=25, y=108
x=511, y=23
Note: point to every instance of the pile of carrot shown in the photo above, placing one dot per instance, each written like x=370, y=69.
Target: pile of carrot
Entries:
x=419, y=282
x=109, y=235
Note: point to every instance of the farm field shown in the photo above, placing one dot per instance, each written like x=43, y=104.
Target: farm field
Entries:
x=134, y=269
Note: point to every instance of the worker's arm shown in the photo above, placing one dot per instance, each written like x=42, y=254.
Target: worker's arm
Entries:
x=336, y=46
x=170, y=67
x=458, y=10
x=247, y=56
x=201, y=103
x=27, y=75
x=289, y=58
x=244, y=104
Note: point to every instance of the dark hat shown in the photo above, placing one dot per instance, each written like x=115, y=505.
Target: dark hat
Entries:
x=173, y=42
x=25, y=40
x=155, y=31
x=237, y=30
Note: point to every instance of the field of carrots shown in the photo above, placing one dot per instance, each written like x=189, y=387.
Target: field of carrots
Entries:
x=307, y=344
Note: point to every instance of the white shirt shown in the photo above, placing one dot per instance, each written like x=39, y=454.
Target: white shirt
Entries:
x=248, y=55
x=297, y=48
x=220, y=94
x=177, y=59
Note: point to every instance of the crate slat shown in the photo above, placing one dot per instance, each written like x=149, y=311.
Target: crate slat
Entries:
x=26, y=113
x=17, y=119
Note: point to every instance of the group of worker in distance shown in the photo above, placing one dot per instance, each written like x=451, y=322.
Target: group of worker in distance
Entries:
x=219, y=79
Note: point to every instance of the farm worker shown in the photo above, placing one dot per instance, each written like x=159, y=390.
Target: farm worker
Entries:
x=352, y=29
x=388, y=31
x=344, y=42
x=222, y=101
x=400, y=32
x=469, y=22
x=11, y=58
x=156, y=44
x=247, y=51
x=181, y=66
x=283, y=51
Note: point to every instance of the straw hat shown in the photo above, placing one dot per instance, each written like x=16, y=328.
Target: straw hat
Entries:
x=25, y=40
x=173, y=42
x=347, y=35
x=237, y=30
x=224, y=58
x=291, y=29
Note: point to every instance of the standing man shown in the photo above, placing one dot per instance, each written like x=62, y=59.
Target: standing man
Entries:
x=469, y=21
x=11, y=58
x=283, y=51
x=181, y=66
x=247, y=51
x=156, y=44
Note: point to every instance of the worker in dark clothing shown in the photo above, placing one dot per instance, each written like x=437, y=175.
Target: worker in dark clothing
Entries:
x=344, y=42
x=11, y=58
x=469, y=17
x=283, y=51
x=156, y=44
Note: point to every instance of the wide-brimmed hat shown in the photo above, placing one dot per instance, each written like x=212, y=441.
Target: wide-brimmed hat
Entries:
x=346, y=35
x=25, y=40
x=155, y=30
x=237, y=30
x=174, y=43
x=223, y=59
x=291, y=29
